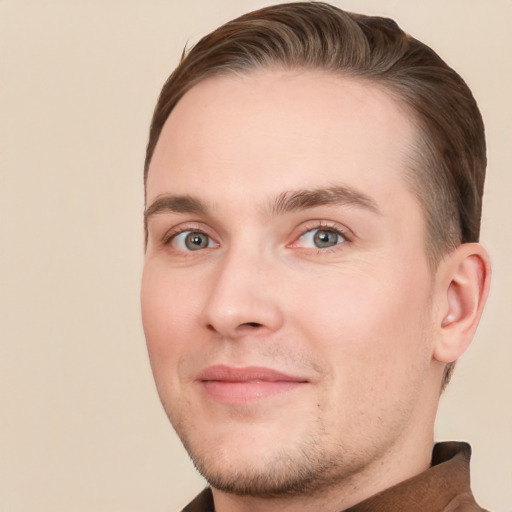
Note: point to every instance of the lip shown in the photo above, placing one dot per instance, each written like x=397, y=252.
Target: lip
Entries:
x=234, y=386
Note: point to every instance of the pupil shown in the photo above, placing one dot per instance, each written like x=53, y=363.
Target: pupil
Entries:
x=196, y=241
x=325, y=238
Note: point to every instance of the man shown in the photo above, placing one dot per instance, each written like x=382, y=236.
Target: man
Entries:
x=313, y=197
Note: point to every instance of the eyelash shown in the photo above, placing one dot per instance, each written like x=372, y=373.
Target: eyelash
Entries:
x=327, y=226
x=170, y=235
x=313, y=226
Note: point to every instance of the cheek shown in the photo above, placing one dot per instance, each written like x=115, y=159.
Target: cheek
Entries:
x=371, y=339
x=371, y=327
x=166, y=313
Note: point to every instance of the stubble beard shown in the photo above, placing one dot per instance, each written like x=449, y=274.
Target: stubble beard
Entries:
x=283, y=474
x=306, y=469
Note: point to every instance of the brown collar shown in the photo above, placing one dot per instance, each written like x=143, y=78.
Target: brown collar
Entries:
x=444, y=487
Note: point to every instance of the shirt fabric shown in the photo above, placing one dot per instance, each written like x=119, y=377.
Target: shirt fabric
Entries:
x=444, y=487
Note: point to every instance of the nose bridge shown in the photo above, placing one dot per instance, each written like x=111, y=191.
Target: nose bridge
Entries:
x=242, y=295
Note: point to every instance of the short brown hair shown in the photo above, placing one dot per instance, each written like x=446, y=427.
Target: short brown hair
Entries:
x=447, y=166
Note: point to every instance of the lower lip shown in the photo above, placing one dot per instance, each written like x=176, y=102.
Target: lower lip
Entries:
x=237, y=393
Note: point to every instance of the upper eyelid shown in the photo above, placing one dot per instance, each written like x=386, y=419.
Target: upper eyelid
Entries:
x=347, y=233
x=173, y=240
x=184, y=228
x=300, y=230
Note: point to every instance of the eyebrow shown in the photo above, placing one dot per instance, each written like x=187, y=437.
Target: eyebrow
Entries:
x=292, y=201
x=285, y=202
x=174, y=204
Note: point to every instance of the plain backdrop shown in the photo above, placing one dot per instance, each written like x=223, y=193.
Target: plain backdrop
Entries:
x=81, y=428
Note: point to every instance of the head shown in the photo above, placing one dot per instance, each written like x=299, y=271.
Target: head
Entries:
x=448, y=159
x=421, y=163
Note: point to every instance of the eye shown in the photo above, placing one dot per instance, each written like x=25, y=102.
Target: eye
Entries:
x=321, y=238
x=192, y=241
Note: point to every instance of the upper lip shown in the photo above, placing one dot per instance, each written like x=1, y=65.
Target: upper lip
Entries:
x=223, y=373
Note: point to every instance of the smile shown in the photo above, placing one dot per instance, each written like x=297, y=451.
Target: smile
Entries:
x=238, y=386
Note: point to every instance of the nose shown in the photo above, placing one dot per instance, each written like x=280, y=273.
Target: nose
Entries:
x=243, y=299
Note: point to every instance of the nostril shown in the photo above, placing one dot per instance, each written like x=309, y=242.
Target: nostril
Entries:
x=245, y=325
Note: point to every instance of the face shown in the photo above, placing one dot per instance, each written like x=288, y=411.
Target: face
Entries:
x=286, y=293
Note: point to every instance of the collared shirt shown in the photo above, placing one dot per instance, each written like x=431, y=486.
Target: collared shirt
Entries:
x=444, y=487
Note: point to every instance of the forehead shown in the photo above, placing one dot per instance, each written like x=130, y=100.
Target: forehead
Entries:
x=273, y=130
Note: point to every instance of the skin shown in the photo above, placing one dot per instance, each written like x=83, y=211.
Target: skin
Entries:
x=362, y=324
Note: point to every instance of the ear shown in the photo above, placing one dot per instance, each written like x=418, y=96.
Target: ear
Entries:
x=463, y=280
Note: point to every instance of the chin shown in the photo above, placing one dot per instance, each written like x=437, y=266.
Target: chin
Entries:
x=266, y=465
x=280, y=473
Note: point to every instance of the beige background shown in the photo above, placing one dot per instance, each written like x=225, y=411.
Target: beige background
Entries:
x=81, y=428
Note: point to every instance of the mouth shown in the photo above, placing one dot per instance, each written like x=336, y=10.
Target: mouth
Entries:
x=231, y=385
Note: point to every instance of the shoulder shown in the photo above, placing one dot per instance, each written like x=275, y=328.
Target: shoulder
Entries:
x=464, y=503
x=203, y=502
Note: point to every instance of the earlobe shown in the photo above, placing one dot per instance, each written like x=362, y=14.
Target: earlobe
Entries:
x=464, y=278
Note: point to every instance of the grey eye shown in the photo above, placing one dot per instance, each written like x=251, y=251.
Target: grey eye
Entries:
x=325, y=238
x=321, y=238
x=195, y=241
x=192, y=241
